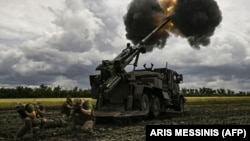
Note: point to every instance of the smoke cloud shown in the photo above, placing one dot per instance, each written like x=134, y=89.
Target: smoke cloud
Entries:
x=195, y=20
x=141, y=19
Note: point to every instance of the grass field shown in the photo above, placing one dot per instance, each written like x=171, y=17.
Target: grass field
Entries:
x=48, y=102
x=54, y=102
x=223, y=99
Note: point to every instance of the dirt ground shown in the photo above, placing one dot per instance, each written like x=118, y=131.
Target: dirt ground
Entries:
x=125, y=130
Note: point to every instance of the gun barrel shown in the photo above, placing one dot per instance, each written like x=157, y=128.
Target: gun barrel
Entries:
x=155, y=30
x=130, y=53
x=111, y=70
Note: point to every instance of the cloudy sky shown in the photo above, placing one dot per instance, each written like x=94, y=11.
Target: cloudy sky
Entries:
x=61, y=42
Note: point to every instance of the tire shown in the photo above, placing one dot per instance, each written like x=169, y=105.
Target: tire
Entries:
x=144, y=103
x=155, y=108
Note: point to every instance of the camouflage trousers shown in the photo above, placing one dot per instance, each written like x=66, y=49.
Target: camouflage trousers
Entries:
x=29, y=125
x=52, y=123
x=86, y=125
x=39, y=123
x=66, y=117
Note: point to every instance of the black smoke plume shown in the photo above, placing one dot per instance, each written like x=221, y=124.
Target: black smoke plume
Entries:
x=195, y=20
x=140, y=21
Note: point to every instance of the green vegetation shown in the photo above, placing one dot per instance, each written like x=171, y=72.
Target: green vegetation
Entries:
x=44, y=91
x=56, y=102
x=53, y=97
x=212, y=92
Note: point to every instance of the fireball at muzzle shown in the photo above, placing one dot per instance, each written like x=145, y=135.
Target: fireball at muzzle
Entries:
x=195, y=20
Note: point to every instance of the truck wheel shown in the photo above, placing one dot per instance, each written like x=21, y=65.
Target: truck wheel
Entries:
x=180, y=107
x=155, y=107
x=144, y=103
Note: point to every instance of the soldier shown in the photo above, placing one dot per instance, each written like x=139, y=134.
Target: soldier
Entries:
x=34, y=118
x=83, y=115
x=40, y=113
x=30, y=116
x=40, y=110
x=45, y=122
x=66, y=108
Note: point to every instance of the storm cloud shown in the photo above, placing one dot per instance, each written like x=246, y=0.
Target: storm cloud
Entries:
x=61, y=42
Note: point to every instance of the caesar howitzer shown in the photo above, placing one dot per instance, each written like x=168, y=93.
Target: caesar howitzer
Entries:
x=111, y=70
x=121, y=93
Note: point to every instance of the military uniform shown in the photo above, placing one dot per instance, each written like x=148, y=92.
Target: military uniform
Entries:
x=87, y=122
x=39, y=121
x=66, y=108
x=39, y=107
x=29, y=122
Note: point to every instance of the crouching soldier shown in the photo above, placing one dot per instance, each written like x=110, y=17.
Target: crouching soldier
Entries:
x=34, y=118
x=29, y=114
x=45, y=122
x=83, y=115
x=66, y=108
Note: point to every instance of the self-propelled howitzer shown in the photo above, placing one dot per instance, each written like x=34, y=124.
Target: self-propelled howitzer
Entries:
x=139, y=92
